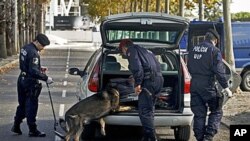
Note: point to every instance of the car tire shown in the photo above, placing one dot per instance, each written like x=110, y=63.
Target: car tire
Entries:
x=182, y=133
x=245, y=83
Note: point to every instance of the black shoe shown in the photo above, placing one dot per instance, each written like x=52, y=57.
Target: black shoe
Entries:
x=208, y=138
x=16, y=129
x=36, y=134
x=148, y=139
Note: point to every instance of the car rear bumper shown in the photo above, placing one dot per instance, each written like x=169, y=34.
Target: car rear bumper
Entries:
x=161, y=119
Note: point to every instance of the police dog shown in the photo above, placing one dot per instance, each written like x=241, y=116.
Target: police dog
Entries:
x=92, y=108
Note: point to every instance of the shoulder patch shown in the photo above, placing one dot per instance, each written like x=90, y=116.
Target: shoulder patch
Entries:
x=24, y=52
x=35, y=61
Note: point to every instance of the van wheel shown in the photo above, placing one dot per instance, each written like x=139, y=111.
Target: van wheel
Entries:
x=182, y=133
x=245, y=83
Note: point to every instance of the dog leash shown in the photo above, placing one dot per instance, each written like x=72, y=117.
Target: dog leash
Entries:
x=51, y=102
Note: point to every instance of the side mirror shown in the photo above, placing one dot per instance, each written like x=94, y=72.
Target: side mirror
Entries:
x=74, y=71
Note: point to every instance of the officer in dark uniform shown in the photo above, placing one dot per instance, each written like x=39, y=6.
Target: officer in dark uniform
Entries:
x=28, y=86
x=148, y=83
x=205, y=66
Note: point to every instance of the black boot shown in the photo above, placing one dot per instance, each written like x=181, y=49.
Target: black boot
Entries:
x=34, y=132
x=16, y=128
x=149, y=138
x=208, y=138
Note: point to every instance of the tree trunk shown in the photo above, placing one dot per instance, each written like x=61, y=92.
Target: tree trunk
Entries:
x=14, y=29
x=229, y=56
x=201, y=10
x=20, y=22
x=141, y=5
x=131, y=5
x=32, y=23
x=8, y=27
x=26, y=21
x=167, y=6
x=135, y=5
x=181, y=7
x=147, y=5
x=157, y=6
x=3, y=51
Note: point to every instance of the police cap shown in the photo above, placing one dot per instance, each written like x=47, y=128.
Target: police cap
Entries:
x=215, y=33
x=42, y=39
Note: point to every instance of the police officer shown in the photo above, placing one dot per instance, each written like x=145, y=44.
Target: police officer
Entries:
x=205, y=66
x=28, y=86
x=148, y=83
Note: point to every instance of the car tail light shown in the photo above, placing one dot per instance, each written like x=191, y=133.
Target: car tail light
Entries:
x=93, y=84
x=187, y=78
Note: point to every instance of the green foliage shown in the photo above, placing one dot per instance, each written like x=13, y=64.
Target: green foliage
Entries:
x=102, y=8
x=241, y=16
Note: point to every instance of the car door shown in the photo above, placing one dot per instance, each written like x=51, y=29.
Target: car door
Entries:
x=233, y=79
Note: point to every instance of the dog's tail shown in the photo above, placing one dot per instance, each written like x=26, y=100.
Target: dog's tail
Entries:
x=63, y=124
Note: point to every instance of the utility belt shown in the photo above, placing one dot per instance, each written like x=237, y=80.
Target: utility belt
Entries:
x=151, y=75
x=25, y=75
x=209, y=77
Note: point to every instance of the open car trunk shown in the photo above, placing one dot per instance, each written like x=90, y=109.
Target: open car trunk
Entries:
x=116, y=74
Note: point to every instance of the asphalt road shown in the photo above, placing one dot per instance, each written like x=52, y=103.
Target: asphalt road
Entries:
x=63, y=90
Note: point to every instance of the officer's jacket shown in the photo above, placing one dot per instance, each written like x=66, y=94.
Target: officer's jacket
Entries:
x=206, y=60
x=29, y=61
x=141, y=62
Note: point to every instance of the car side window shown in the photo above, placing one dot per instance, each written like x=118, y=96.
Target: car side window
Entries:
x=90, y=63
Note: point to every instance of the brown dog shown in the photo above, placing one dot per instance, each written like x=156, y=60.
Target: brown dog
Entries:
x=92, y=108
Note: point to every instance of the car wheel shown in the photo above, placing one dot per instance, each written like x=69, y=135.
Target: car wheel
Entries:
x=182, y=133
x=245, y=83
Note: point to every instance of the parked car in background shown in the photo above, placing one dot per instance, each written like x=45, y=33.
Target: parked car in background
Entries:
x=159, y=33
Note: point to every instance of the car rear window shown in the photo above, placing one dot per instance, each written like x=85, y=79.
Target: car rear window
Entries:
x=168, y=37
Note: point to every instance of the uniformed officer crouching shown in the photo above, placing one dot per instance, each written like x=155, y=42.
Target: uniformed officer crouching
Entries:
x=28, y=86
x=148, y=82
x=205, y=66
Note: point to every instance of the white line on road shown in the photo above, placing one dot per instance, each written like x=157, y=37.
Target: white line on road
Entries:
x=66, y=75
x=61, y=110
x=65, y=83
x=67, y=70
x=64, y=93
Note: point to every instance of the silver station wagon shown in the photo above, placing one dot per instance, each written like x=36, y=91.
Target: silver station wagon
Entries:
x=160, y=33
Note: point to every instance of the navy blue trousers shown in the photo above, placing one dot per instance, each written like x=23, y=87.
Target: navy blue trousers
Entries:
x=146, y=103
x=28, y=103
x=203, y=98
